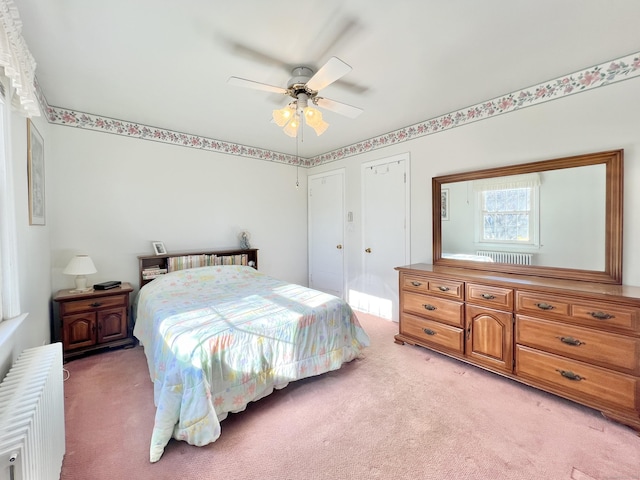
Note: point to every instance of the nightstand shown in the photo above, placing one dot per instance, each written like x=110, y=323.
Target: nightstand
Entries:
x=94, y=320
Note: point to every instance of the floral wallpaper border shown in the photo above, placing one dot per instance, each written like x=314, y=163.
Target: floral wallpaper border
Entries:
x=613, y=71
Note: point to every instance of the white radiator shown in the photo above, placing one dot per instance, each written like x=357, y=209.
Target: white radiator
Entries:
x=32, y=439
x=514, y=258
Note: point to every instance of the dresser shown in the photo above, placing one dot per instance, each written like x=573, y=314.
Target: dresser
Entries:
x=578, y=340
x=94, y=320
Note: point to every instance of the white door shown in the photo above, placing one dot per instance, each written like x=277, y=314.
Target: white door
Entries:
x=385, y=206
x=326, y=232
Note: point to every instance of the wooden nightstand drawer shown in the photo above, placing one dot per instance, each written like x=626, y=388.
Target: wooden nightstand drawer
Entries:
x=435, y=308
x=93, y=303
x=576, y=379
x=605, y=349
x=428, y=331
x=493, y=297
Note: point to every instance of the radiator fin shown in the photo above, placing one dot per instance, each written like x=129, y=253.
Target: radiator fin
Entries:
x=32, y=432
x=515, y=258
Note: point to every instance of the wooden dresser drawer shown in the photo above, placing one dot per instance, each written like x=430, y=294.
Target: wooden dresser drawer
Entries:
x=589, y=345
x=445, y=288
x=447, y=311
x=607, y=316
x=493, y=297
x=577, y=379
x=93, y=303
x=436, y=333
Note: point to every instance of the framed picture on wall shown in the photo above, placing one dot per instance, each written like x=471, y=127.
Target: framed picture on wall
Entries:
x=444, y=204
x=35, y=169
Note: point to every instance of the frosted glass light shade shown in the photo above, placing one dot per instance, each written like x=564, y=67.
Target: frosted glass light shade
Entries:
x=80, y=265
x=313, y=118
x=320, y=127
x=283, y=115
x=292, y=127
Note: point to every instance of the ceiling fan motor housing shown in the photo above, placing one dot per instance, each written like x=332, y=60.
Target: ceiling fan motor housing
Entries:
x=298, y=82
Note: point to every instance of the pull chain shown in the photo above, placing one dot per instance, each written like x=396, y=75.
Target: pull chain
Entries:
x=297, y=159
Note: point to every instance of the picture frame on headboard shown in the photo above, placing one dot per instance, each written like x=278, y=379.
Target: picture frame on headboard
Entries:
x=35, y=173
x=159, y=248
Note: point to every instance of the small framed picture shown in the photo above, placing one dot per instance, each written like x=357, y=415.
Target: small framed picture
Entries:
x=444, y=204
x=158, y=248
x=35, y=169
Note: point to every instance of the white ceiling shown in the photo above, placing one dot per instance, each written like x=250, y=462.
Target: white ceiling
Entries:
x=165, y=63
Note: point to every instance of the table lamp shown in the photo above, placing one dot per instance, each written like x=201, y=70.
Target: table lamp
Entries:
x=80, y=265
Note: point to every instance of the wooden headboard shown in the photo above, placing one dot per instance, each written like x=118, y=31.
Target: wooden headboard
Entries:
x=152, y=266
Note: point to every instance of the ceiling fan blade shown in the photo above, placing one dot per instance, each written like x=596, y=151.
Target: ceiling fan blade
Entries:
x=258, y=55
x=243, y=82
x=328, y=73
x=338, y=107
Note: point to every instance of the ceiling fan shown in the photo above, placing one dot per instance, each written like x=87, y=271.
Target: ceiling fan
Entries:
x=303, y=87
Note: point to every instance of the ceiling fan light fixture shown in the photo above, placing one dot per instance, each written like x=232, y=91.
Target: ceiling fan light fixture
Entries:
x=313, y=118
x=291, y=128
x=282, y=115
x=320, y=128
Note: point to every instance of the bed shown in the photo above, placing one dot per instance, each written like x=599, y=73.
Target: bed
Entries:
x=217, y=338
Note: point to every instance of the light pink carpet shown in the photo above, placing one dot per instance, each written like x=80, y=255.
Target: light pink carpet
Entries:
x=400, y=412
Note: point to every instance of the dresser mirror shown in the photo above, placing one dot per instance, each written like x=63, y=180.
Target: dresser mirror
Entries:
x=558, y=218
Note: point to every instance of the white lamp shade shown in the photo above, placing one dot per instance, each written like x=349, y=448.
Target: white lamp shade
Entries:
x=80, y=265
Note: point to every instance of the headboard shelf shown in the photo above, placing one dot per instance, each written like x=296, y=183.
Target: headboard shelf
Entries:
x=152, y=266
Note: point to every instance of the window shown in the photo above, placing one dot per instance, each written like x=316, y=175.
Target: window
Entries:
x=9, y=294
x=507, y=210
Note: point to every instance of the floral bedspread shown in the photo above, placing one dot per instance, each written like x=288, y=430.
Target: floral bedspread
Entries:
x=217, y=338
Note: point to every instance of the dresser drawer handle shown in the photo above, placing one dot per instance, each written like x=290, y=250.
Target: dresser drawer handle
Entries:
x=428, y=331
x=544, y=306
x=570, y=375
x=95, y=304
x=416, y=284
x=571, y=341
x=429, y=307
x=601, y=315
x=443, y=289
x=487, y=296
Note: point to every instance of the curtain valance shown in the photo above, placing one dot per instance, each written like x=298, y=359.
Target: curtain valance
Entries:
x=17, y=62
x=528, y=180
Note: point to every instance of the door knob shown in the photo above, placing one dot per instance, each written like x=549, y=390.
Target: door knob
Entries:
x=339, y=247
x=368, y=250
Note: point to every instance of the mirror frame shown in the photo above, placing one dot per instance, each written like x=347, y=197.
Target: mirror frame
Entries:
x=612, y=273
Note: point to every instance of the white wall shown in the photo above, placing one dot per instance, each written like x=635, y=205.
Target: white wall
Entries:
x=111, y=196
x=33, y=255
x=598, y=120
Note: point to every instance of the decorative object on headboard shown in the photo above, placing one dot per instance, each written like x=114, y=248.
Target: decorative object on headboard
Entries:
x=580, y=220
x=159, y=248
x=244, y=237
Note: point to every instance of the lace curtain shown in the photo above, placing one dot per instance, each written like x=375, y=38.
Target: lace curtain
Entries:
x=17, y=62
x=17, y=70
